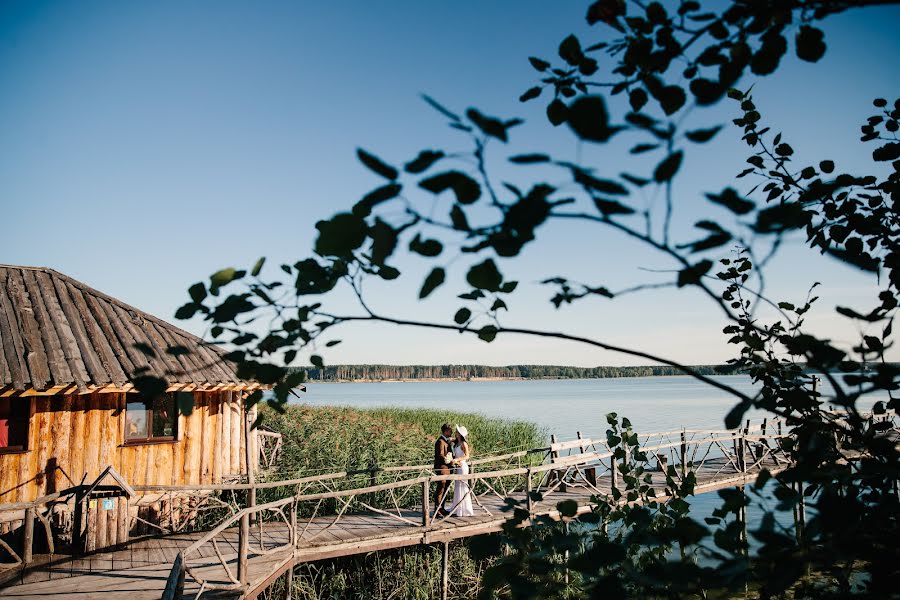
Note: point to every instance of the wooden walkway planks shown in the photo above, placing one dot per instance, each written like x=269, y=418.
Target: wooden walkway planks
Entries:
x=150, y=560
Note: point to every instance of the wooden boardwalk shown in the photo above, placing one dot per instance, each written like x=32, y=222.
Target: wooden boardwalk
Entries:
x=248, y=551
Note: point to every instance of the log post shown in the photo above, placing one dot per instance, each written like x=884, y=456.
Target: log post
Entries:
x=614, y=483
x=248, y=452
x=295, y=539
x=529, y=503
x=28, y=536
x=289, y=583
x=759, y=447
x=426, y=510
x=445, y=570
x=243, y=549
x=683, y=454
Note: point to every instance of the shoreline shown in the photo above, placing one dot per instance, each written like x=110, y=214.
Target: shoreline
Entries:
x=483, y=379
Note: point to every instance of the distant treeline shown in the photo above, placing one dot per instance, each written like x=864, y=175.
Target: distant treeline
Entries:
x=393, y=372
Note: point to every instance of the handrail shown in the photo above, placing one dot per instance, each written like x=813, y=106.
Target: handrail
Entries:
x=556, y=470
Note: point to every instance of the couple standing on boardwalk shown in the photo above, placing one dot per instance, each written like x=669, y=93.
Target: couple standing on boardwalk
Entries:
x=453, y=452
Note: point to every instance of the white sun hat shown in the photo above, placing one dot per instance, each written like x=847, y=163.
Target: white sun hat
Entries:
x=461, y=430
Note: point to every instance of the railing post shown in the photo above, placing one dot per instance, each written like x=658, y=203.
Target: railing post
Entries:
x=759, y=447
x=445, y=570
x=683, y=454
x=528, y=501
x=28, y=535
x=613, y=472
x=580, y=448
x=295, y=539
x=426, y=510
x=243, y=549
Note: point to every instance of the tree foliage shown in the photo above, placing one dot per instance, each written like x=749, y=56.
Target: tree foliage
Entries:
x=668, y=60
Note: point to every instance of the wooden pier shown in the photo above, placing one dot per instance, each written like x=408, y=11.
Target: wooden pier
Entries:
x=319, y=517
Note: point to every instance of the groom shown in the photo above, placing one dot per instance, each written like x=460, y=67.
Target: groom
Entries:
x=442, y=458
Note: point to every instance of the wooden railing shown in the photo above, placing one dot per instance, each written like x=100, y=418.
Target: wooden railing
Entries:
x=303, y=519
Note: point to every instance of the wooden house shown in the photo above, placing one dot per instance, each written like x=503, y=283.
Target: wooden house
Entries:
x=69, y=410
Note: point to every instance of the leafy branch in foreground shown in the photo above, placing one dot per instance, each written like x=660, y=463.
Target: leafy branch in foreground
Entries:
x=445, y=207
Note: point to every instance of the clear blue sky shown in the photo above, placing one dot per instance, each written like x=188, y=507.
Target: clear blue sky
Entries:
x=145, y=145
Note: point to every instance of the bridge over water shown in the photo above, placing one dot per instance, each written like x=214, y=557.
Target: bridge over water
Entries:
x=244, y=550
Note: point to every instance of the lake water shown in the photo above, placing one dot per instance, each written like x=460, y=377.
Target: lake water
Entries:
x=561, y=406
x=564, y=407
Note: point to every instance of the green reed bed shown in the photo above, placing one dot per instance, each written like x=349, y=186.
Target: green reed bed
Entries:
x=329, y=439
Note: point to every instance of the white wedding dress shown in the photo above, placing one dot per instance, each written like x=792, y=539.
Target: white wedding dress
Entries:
x=462, y=499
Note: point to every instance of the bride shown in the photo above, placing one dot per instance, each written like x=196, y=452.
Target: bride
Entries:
x=462, y=499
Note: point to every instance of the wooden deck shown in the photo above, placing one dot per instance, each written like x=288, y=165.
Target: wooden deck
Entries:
x=146, y=564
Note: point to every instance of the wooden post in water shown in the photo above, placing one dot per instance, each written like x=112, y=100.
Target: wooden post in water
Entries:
x=28, y=536
x=426, y=510
x=445, y=570
x=580, y=448
x=529, y=503
x=243, y=549
x=683, y=454
x=289, y=583
x=742, y=515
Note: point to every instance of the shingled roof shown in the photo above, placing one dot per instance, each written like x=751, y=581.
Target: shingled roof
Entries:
x=57, y=332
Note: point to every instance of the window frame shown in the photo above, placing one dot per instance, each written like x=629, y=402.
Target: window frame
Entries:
x=150, y=438
x=25, y=405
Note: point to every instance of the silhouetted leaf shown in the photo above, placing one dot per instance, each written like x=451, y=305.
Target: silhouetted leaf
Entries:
x=462, y=315
x=376, y=165
x=606, y=11
x=557, y=112
x=458, y=219
x=340, y=235
x=810, y=43
x=702, y=135
x=567, y=508
x=666, y=169
x=539, y=64
x=570, y=50
x=485, y=276
x=425, y=159
x=611, y=207
x=425, y=247
x=890, y=151
x=258, y=266
x=637, y=98
x=491, y=126
x=434, y=279
x=197, y=292
x=588, y=118
x=438, y=107
x=466, y=189
x=671, y=98
x=730, y=199
x=827, y=166
x=530, y=94
x=524, y=159
x=364, y=207
x=693, y=274
x=487, y=333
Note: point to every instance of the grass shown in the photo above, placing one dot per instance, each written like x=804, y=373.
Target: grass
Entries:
x=323, y=439
x=329, y=439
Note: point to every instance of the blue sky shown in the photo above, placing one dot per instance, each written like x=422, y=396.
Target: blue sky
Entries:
x=145, y=145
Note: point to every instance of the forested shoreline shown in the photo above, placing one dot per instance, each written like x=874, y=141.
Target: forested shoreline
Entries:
x=466, y=372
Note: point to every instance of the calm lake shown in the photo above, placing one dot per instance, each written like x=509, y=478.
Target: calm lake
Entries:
x=564, y=407
x=561, y=406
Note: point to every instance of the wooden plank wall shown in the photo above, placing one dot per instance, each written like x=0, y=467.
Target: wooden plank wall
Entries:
x=74, y=437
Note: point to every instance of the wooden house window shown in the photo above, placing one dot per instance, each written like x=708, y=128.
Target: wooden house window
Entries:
x=151, y=419
x=15, y=413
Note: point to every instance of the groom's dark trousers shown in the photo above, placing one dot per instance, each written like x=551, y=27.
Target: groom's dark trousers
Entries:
x=441, y=449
